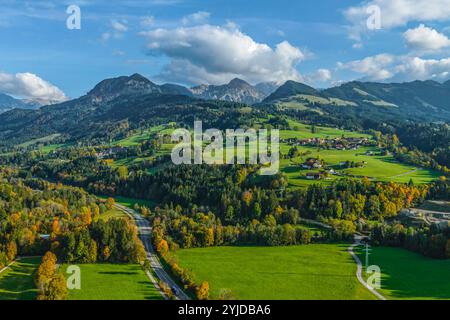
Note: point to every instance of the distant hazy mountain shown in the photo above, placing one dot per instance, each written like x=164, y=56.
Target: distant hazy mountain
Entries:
x=8, y=103
x=267, y=88
x=427, y=100
x=236, y=91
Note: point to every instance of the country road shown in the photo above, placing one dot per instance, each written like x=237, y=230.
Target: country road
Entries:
x=359, y=270
x=145, y=235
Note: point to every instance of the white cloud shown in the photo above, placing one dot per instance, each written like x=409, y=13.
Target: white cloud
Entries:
x=147, y=21
x=396, y=13
x=30, y=86
x=425, y=39
x=374, y=68
x=119, y=26
x=200, y=17
x=389, y=68
x=319, y=77
x=215, y=54
x=415, y=68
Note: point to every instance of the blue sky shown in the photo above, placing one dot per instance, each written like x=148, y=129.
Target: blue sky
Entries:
x=322, y=42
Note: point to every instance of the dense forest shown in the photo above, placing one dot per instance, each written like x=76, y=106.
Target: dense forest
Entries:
x=37, y=216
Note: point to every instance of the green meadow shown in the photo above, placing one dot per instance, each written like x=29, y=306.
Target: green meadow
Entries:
x=377, y=167
x=113, y=214
x=410, y=276
x=114, y=282
x=380, y=168
x=17, y=282
x=320, y=271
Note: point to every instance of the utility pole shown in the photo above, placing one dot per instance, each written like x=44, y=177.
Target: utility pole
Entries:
x=367, y=255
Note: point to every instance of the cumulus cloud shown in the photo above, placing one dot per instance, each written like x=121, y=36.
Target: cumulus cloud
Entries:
x=215, y=54
x=318, y=77
x=30, y=86
x=389, y=68
x=425, y=39
x=200, y=17
x=396, y=13
x=374, y=68
x=415, y=68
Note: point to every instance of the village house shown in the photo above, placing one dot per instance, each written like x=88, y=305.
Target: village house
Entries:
x=312, y=163
x=314, y=176
x=111, y=152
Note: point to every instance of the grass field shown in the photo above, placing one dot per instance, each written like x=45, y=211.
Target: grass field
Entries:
x=114, y=282
x=17, y=282
x=129, y=202
x=380, y=168
x=292, y=273
x=39, y=140
x=408, y=275
x=303, y=131
x=142, y=136
x=112, y=214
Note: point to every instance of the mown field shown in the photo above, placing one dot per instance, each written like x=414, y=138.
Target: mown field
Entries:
x=17, y=282
x=410, y=276
x=114, y=282
x=292, y=273
x=380, y=168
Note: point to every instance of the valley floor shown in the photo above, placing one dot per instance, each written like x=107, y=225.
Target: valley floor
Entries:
x=313, y=272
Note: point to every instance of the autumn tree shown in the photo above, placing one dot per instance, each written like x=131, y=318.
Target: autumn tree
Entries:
x=203, y=291
x=56, y=289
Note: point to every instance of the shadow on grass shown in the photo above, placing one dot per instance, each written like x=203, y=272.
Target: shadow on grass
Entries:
x=124, y=273
x=17, y=283
x=409, y=275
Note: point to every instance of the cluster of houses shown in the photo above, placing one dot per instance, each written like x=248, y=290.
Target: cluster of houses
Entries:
x=111, y=152
x=335, y=143
x=313, y=163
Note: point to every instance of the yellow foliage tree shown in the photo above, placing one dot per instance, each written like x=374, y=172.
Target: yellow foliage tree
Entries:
x=203, y=291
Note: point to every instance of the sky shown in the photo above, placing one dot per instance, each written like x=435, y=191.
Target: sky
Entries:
x=322, y=43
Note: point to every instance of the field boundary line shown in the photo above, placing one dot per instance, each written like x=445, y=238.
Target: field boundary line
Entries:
x=153, y=280
x=7, y=267
x=359, y=272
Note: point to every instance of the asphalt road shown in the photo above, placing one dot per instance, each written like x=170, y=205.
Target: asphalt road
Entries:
x=145, y=235
x=360, y=268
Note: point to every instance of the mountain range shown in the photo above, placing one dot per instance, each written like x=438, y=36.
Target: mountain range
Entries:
x=8, y=103
x=115, y=104
x=417, y=100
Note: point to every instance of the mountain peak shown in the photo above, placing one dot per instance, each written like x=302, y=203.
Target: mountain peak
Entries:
x=139, y=77
x=109, y=89
x=7, y=103
x=236, y=82
x=291, y=88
